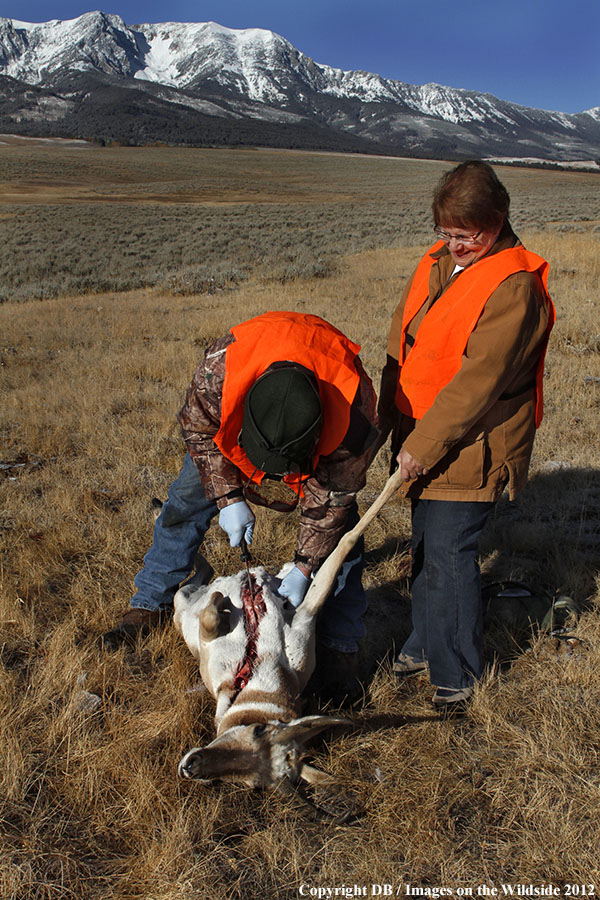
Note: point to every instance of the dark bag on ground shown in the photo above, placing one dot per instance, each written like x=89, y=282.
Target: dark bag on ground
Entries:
x=518, y=609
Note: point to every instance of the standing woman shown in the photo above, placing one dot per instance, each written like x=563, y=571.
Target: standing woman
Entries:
x=461, y=392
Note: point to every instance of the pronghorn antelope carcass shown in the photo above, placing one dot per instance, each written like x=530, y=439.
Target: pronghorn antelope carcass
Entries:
x=256, y=654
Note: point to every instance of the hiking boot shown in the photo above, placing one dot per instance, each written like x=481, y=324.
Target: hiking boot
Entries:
x=336, y=677
x=451, y=702
x=136, y=621
x=405, y=665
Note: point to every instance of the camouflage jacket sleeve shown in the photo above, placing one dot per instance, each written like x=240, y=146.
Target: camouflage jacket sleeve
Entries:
x=331, y=491
x=200, y=420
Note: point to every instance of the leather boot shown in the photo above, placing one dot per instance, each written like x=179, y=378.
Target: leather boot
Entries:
x=136, y=621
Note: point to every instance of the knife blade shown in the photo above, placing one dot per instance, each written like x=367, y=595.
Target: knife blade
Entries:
x=247, y=558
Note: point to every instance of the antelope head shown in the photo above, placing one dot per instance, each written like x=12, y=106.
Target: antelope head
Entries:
x=267, y=755
x=258, y=755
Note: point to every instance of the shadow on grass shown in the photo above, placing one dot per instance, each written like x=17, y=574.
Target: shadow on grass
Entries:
x=547, y=539
x=550, y=535
x=366, y=721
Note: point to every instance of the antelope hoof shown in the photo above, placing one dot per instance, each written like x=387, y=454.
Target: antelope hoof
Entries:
x=215, y=617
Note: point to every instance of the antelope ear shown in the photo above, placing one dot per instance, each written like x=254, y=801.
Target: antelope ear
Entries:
x=304, y=729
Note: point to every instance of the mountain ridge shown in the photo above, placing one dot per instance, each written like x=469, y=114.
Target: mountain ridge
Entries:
x=255, y=75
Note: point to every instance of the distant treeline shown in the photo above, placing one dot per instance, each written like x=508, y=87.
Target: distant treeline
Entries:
x=593, y=166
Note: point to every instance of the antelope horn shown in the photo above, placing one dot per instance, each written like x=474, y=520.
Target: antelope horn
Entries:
x=303, y=730
x=326, y=575
x=297, y=791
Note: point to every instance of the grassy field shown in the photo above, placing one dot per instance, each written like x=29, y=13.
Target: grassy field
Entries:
x=91, y=380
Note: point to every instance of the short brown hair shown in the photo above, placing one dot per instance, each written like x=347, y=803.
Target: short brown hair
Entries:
x=470, y=196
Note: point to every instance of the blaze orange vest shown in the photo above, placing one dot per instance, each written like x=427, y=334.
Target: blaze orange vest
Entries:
x=296, y=337
x=441, y=339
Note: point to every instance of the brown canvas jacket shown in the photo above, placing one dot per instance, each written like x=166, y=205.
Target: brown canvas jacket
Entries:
x=478, y=434
x=328, y=493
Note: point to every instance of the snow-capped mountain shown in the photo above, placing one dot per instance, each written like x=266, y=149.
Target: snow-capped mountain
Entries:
x=186, y=76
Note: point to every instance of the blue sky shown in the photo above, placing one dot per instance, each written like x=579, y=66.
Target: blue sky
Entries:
x=541, y=53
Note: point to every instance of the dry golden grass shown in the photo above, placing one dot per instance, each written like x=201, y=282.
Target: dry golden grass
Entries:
x=90, y=804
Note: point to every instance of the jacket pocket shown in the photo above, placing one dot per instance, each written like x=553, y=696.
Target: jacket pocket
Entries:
x=463, y=466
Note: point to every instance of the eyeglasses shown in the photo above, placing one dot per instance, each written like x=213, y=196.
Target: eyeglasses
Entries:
x=467, y=239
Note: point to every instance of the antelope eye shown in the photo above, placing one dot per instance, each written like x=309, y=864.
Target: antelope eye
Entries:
x=259, y=730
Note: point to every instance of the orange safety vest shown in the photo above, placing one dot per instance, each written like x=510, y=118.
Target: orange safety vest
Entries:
x=295, y=337
x=442, y=337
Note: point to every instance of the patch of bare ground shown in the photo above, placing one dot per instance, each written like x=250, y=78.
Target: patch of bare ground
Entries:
x=90, y=803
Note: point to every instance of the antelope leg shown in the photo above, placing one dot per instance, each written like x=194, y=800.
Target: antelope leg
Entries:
x=325, y=577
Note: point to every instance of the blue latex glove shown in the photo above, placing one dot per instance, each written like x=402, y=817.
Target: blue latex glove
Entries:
x=294, y=586
x=237, y=520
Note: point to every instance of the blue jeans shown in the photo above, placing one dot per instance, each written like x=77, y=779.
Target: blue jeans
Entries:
x=178, y=534
x=340, y=624
x=447, y=612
